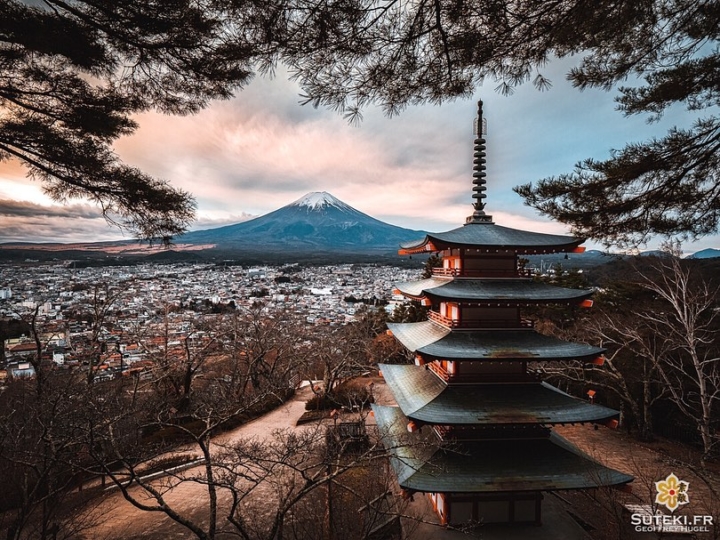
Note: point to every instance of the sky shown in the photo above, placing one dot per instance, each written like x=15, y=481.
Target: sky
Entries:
x=261, y=150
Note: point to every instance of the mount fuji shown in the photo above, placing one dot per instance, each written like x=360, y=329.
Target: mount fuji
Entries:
x=318, y=221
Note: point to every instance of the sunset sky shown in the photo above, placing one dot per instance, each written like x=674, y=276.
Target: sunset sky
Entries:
x=261, y=150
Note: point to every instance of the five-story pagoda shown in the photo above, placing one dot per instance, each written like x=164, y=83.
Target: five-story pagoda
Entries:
x=473, y=426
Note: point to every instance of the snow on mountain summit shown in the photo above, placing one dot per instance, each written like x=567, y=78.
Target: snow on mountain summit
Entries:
x=319, y=199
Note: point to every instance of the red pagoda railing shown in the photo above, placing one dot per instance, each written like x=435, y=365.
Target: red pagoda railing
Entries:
x=478, y=323
x=439, y=371
x=459, y=272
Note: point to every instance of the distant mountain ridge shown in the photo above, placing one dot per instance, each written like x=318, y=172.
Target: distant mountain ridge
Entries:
x=709, y=253
x=316, y=221
x=317, y=224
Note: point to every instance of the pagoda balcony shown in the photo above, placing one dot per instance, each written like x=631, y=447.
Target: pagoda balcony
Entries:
x=482, y=273
x=478, y=323
x=482, y=378
x=438, y=370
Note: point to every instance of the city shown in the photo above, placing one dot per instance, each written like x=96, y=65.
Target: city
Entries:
x=65, y=302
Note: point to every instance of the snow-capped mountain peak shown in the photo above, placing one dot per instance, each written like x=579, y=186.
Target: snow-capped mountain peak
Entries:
x=317, y=221
x=319, y=199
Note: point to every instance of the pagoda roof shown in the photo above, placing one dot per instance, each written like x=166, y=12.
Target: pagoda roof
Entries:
x=489, y=466
x=434, y=340
x=488, y=236
x=423, y=396
x=512, y=291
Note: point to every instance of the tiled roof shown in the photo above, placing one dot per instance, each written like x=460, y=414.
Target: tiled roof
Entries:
x=506, y=291
x=423, y=396
x=491, y=236
x=433, y=340
x=488, y=466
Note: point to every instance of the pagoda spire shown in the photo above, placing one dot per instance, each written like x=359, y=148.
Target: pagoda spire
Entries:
x=479, y=175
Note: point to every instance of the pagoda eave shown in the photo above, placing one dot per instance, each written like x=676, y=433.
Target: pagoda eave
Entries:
x=433, y=340
x=491, y=238
x=492, y=466
x=516, y=292
x=425, y=398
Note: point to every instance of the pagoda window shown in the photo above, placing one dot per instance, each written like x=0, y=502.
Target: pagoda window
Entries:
x=495, y=508
x=452, y=263
x=477, y=263
x=494, y=511
x=450, y=310
x=526, y=510
x=462, y=511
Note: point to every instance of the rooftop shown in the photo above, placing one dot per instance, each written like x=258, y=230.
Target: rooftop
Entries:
x=506, y=291
x=489, y=236
x=434, y=340
x=492, y=466
x=425, y=397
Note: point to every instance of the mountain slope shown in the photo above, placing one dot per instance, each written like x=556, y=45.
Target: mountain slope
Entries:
x=709, y=253
x=316, y=221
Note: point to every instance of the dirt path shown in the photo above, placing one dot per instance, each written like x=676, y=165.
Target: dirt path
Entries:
x=118, y=519
x=648, y=462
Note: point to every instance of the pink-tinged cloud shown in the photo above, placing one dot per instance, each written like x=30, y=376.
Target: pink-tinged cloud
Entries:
x=261, y=150
x=234, y=159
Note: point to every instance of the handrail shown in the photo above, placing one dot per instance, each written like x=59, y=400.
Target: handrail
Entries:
x=439, y=371
x=460, y=272
x=478, y=323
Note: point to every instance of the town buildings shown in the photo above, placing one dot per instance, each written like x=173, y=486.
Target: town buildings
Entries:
x=126, y=309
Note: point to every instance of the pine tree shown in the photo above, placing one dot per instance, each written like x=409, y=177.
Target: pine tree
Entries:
x=74, y=72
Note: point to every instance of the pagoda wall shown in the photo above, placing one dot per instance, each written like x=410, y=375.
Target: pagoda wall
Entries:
x=461, y=509
x=473, y=263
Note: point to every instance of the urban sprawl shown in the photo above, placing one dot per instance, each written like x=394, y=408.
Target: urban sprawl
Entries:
x=134, y=310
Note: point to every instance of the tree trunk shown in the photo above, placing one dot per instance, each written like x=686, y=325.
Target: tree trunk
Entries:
x=646, y=423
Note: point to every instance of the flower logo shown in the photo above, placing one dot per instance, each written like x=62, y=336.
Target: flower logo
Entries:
x=672, y=492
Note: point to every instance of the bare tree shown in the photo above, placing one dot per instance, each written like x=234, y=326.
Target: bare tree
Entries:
x=266, y=487
x=298, y=485
x=104, y=299
x=160, y=432
x=631, y=367
x=40, y=455
x=338, y=354
x=687, y=325
x=220, y=372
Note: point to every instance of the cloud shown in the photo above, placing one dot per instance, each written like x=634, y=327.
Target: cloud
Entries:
x=26, y=209
x=247, y=156
x=57, y=229
x=24, y=221
x=259, y=151
x=211, y=222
